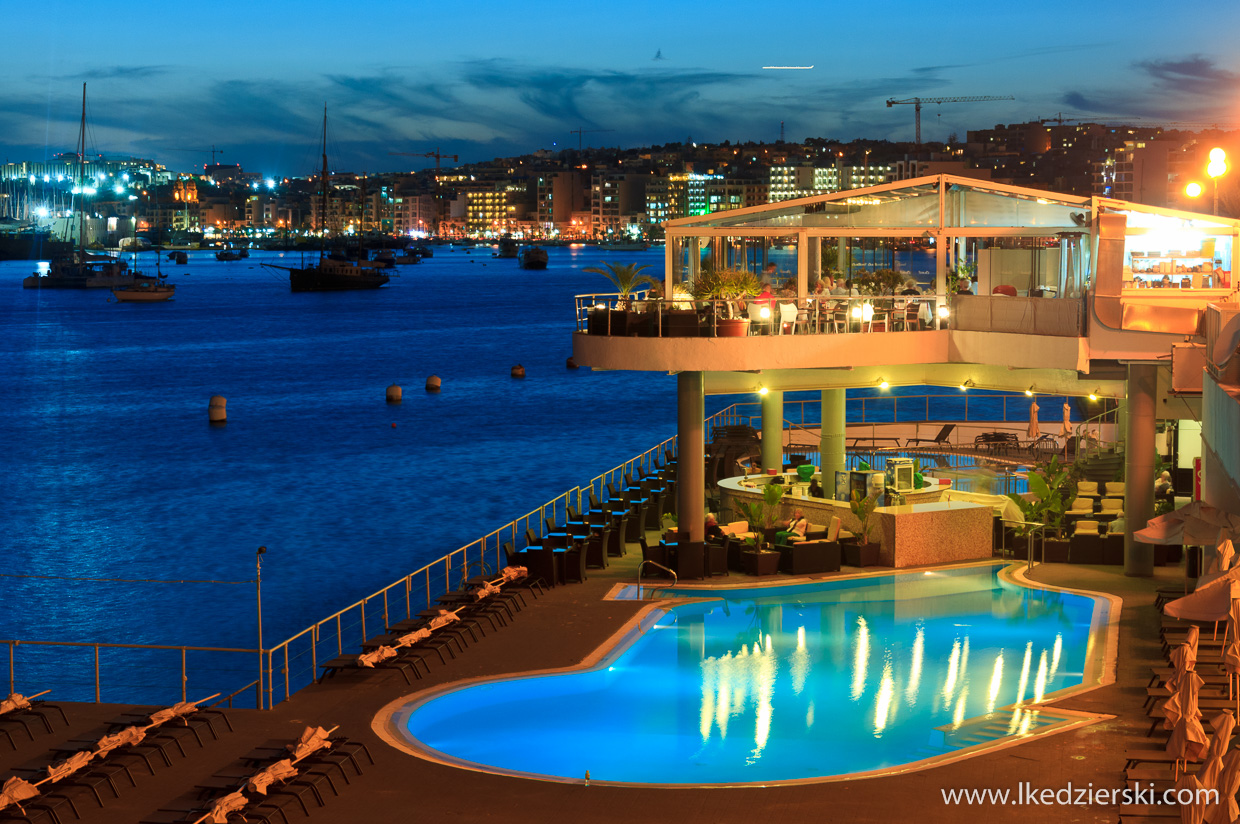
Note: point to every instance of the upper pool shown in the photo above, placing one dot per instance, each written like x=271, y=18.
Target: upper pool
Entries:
x=769, y=685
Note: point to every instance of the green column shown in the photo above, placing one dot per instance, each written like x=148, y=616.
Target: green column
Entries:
x=691, y=454
x=773, y=430
x=831, y=443
x=1139, y=467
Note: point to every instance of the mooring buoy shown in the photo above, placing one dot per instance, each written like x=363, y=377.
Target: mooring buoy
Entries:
x=432, y=383
x=518, y=371
x=216, y=413
x=393, y=394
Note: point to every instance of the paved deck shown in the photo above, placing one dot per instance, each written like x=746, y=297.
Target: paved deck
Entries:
x=561, y=629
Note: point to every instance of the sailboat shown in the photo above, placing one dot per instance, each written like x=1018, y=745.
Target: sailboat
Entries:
x=331, y=274
x=82, y=270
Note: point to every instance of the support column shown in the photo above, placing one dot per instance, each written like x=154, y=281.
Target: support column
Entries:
x=773, y=431
x=815, y=258
x=691, y=454
x=831, y=444
x=1139, y=467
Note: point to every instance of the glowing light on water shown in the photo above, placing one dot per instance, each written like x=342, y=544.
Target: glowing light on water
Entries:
x=1039, y=683
x=958, y=715
x=860, y=658
x=1024, y=673
x=799, y=663
x=1055, y=653
x=883, y=705
x=914, y=678
x=953, y=671
x=996, y=679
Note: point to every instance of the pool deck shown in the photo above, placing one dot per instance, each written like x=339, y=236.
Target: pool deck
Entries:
x=564, y=627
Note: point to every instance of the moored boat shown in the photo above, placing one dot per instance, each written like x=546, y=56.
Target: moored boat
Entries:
x=145, y=291
x=532, y=257
x=507, y=248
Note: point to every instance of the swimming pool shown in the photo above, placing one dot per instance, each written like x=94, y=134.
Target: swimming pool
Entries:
x=770, y=685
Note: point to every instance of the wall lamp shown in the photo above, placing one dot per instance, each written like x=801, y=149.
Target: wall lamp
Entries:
x=966, y=385
x=882, y=384
x=762, y=390
x=1093, y=396
x=1029, y=391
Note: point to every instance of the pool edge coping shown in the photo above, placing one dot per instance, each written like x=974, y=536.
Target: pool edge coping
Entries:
x=388, y=720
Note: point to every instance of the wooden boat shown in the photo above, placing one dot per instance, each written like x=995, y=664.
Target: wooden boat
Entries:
x=532, y=257
x=145, y=291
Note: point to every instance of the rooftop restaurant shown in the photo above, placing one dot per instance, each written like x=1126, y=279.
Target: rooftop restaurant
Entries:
x=856, y=604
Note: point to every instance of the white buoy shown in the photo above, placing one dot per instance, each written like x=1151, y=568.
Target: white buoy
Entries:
x=393, y=394
x=432, y=383
x=518, y=371
x=215, y=410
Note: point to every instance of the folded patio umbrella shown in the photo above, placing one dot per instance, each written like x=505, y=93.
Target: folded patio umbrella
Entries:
x=511, y=573
x=1224, y=724
x=179, y=710
x=125, y=738
x=369, y=659
x=443, y=619
x=223, y=807
x=312, y=740
x=1066, y=430
x=1209, y=602
x=1188, y=739
x=1183, y=660
x=486, y=591
x=15, y=791
x=14, y=702
x=67, y=767
x=1034, y=431
x=1228, y=783
x=1177, y=706
x=413, y=637
x=280, y=771
x=1193, y=812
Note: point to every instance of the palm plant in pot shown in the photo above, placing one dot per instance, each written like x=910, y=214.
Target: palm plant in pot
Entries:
x=730, y=285
x=627, y=278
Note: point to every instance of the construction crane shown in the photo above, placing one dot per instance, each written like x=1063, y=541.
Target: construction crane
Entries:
x=917, y=101
x=580, y=132
x=212, y=151
x=435, y=154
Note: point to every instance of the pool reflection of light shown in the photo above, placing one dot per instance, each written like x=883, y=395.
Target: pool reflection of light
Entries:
x=861, y=658
x=996, y=680
x=1024, y=673
x=1055, y=653
x=958, y=715
x=953, y=670
x=914, y=678
x=799, y=663
x=1039, y=683
x=883, y=705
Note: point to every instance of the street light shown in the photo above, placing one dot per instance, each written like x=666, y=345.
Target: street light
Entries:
x=1216, y=169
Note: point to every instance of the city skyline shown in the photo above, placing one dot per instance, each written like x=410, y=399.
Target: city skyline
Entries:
x=488, y=82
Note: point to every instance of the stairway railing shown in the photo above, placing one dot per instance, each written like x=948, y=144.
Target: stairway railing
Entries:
x=1088, y=443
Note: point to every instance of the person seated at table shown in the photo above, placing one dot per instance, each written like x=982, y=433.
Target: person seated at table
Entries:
x=823, y=285
x=1162, y=487
x=789, y=289
x=713, y=530
x=768, y=274
x=815, y=489
x=794, y=531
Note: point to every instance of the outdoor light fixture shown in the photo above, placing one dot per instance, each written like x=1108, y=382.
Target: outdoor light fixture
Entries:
x=1029, y=391
x=882, y=383
x=964, y=386
x=762, y=390
x=765, y=312
x=1093, y=396
x=944, y=312
x=1193, y=189
x=856, y=312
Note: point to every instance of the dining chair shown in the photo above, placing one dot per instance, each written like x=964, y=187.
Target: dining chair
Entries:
x=788, y=318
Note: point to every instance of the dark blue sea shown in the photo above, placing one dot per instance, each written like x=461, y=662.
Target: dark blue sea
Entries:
x=110, y=469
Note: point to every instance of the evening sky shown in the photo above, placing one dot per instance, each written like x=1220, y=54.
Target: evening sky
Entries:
x=486, y=79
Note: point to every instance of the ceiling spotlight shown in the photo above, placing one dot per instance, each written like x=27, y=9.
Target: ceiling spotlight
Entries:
x=1029, y=391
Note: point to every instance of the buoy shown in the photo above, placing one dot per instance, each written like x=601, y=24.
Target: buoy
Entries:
x=432, y=383
x=518, y=371
x=393, y=394
x=393, y=425
x=216, y=413
x=571, y=364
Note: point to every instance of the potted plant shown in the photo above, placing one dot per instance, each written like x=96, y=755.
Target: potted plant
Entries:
x=963, y=274
x=761, y=559
x=729, y=285
x=1049, y=485
x=627, y=279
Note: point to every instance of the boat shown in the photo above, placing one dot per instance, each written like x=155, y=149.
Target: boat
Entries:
x=80, y=269
x=407, y=258
x=624, y=245
x=507, y=248
x=228, y=255
x=178, y=257
x=30, y=244
x=423, y=250
x=532, y=257
x=145, y=291
x=330, y=274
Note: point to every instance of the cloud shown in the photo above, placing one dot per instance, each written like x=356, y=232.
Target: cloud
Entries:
x=1191, y=75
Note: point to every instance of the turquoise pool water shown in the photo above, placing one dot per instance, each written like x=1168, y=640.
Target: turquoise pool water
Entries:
x=780, y=684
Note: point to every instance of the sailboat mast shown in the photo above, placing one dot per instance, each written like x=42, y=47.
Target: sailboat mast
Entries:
x=81, y=147
x=323, y=190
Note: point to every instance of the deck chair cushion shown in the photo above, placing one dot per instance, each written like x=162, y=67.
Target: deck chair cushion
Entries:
x=833, y=531
x=1087, y=489
x=1086, y=528
x=1112, y=504
x=1081, y=505
x=1114, y=489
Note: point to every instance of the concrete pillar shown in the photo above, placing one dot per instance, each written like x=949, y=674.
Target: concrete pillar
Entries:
x=1139, y=466
x=841, y=257
x=814, y=257
x=773, y=430
x=691, y=454
x=803, y=243
x=831, y=444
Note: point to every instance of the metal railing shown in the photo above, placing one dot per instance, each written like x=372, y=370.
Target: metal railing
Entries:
x=949, y=406
x=1031, y=527
x=143, y=672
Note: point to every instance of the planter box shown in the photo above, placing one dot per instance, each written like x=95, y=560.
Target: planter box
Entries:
x=761, y=563
x=731, y=327
x=860, y=555
x=1056, y=551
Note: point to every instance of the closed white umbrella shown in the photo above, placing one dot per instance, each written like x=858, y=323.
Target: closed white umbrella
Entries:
x=1228, y=783
x=281, y=771
x=1177, y=706
x=1224, y=724
x=1188, y=739
x=1066, y=430
x=1034, y=431
x=15, y=791
x=1194, y=812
